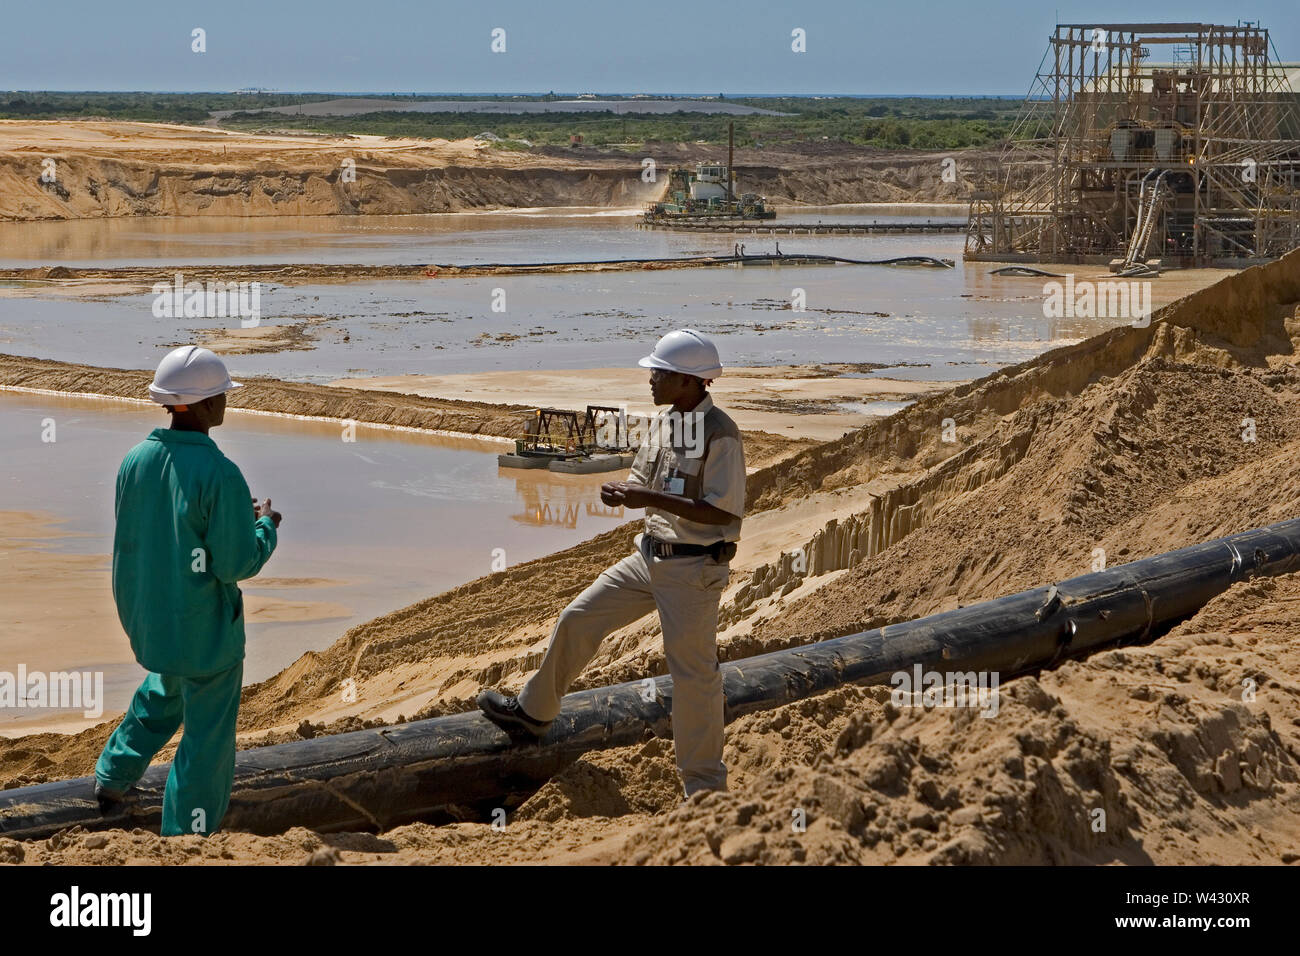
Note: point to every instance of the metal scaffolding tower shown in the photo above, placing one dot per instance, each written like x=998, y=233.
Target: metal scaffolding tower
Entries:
x=1193, y=159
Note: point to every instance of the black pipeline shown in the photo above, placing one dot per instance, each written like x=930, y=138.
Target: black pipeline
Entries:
x=462, y=767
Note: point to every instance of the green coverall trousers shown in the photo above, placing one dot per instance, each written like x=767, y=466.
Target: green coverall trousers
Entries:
x=198, y=787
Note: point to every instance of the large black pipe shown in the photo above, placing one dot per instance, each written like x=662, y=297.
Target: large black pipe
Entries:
x=461, y=767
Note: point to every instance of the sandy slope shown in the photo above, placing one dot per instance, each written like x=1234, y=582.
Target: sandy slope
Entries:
x=1130, y=441
x=145, y=169
x=132, y=169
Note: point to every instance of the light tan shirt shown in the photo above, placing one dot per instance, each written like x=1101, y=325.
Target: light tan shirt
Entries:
x=696, y=454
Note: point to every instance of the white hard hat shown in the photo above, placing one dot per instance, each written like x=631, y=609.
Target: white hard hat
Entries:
x=189, y=374
x=685, y=351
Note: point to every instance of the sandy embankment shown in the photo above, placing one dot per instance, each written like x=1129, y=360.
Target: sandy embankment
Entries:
x=127, y=280
x=1130, y=441
x=272, y=395
x=149, y=169
x=440, y=415
x=805, y=399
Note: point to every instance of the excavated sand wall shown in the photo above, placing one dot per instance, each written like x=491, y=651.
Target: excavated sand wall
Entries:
x=90, y=187
x=310, y=183
x=847, y=542
x=1240, y=319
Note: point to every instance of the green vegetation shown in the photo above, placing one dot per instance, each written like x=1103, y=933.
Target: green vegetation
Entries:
x=143, y=107
x=912, y=122
x=891, y=123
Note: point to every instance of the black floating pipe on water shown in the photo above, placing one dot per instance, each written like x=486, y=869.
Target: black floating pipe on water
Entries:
x=462, y=766
x=751, y=259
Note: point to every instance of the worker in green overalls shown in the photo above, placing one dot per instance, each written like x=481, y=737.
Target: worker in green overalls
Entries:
x=185, y=534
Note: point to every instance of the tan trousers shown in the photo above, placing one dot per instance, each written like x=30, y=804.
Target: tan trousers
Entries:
x=686, y=592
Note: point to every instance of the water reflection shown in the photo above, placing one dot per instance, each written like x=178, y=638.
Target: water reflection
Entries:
x=370, y=526
x=550, y=499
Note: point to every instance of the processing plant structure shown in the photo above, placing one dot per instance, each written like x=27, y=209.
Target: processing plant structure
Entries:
x=1147, y=146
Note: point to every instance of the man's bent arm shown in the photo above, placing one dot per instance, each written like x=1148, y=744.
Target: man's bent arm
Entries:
x=691, y=509
x=238, y=546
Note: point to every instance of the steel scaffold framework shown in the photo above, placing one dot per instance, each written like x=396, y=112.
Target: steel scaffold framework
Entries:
x=1193, y=160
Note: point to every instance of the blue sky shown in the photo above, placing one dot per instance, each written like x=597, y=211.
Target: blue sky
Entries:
x=711, y=46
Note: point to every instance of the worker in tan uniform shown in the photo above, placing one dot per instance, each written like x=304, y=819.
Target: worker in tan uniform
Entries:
x=689, y=476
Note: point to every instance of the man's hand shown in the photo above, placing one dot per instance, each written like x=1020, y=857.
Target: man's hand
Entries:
x=626, y=493
x=264, y=510
x=611, y=493
x=633, y=495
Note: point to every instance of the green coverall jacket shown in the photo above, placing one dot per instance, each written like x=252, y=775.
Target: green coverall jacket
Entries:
x=185, y=534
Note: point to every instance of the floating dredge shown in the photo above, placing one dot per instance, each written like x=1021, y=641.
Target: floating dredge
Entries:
x=559, y=440
x=707, y=194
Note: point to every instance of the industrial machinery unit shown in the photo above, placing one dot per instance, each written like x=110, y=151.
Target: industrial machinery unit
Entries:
x=1193, y=159
x=707, y=192
x=560, y=433
x=558, y=439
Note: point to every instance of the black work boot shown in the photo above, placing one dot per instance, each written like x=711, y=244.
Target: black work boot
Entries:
x=506, y=713
x=107, y=798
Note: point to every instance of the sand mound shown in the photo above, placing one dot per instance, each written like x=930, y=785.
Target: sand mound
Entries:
x=1247, y=320
x=1145, y=463
x=1140, y=755
x=610, y=784
x=40, y=758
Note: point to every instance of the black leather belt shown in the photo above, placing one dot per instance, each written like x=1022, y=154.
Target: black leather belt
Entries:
x=719, y=550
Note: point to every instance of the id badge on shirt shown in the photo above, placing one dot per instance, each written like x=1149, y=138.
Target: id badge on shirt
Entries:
x=674, y=485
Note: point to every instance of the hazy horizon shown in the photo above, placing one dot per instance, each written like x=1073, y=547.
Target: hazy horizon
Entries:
x=361, y=94
x=925, y=48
